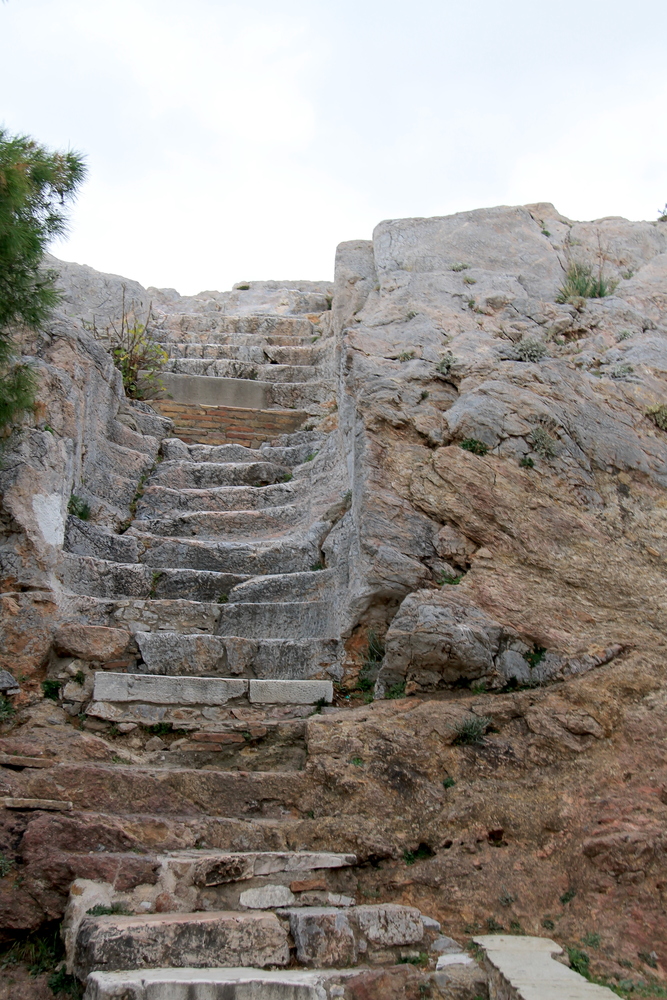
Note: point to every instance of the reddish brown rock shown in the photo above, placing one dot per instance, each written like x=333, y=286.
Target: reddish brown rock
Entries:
x=91, y=642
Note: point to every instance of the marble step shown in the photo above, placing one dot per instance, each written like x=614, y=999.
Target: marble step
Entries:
x=323, y=937
x=220, y=984
x=309, y=586
x=203, y=654
x=251, y=392
x=247, y=525
x=263, y=325
x=257, y=353
x=229, y=368
x=183, y=475
x=104, y=578
x=177, y=940
x=160, y=500
x=289, y=554
x=279, y=620
x=175, y=450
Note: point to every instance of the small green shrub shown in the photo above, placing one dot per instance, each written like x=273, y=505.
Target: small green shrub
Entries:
x=581, y=283
x=445, y=580
x=7, y=710
x=535, y=656
x=136, y=354
x=61, y=982
x=624, y=335
x=310, y=457
x=395, y=690
x=493, y=926
x=420, y=959
x=161, y=728
x=424, y=394
x=78, y=507
x=460, y=267
x=108, y=911
x=648, y=959
x=286, y=478
x=545, y=232
x=579, y=961
x=223, y=598
x=6, y=866
x=527, y=462
x=529, y=349
x=470, y=281
x=51, y=689
x=448, y=782
x=357, y=761
x=658, y=414
x=506, y=898
x=317, y=566
x=471, y=730
x=568, y=896
x=406, y=355
x=243, y=288
x=662, y=214
x=621, y=370
x=548, y=924
x=475, y=446
x=446, y=363
x=591, y=939
x=543, y=443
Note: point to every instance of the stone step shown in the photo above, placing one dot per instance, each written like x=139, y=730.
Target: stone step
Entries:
x=104, y=578
x=259, y=325
x=138, y=614
x=310, y=586
x=220, y=984
x=242, y=524
x=327, y=937
x=176, y=450
x=279, y=620
x=178, y=940
x=216, y=425
x=256, y=353
x=175, y=653
x=152, y=698
x=290, y=554
x=160, y=500
x=84, y=538
x=182, y=475
x=227, y=368
x=247, y=393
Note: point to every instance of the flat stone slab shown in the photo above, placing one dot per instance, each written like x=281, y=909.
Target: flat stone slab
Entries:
x=208, y=868
x=289, y=692
x=215, y=939
x=216, y=984
x=13, y=760
x=51, y=805
x=158, y=690
x=524, y=968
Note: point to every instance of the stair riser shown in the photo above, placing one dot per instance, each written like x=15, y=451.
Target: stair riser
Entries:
x=160, y=500
x=228, y=368
x=84, y=575
x=244, y=559
x=243, y=524
x=189, y=475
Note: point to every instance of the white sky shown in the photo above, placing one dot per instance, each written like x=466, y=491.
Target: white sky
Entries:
x=229, y=141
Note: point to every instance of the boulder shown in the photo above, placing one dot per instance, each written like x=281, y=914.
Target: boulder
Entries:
x=91, y=642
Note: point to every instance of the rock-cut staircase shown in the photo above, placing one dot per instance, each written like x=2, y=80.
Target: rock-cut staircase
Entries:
x=224, y=580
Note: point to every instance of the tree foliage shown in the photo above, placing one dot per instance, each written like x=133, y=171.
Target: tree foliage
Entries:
x=35, y=185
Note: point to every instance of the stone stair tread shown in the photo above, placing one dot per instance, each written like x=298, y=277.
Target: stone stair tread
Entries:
x=174, y=449
x=230, y=368
x=160, y=689
x=213, y=524
x=86, y=574
x=159, y=500
x=181, y=474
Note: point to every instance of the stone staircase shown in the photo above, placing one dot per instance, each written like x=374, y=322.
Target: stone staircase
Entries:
x=224, y=581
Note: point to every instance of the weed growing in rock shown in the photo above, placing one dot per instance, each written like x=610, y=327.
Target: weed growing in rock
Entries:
x=621, y=370
x=592, y=940
x=446, y=363
x=527, y=463
x=41, y=950
x=395, y=690
x=448, y=782
x=475, y=446
x=545, y=232
x=543, y=443
x=624, y=335
x=242, y=288
x=424, y=394
x=286, y=478
x=471, y=730
x=626, y=275
x=535, y=656
x=581, y=283
x=80, y=677
x=108, y=911
x=493, y=927
x=568, y=896
x=78, y=507
x=310, y=457
x=420, y=959
x=658, y=414
x=460, y=267
x=421, y=852
x=548, y=924
x=469, y=281
x=648, y=958
x=136, y=354
x=162, y=729
x=506, y=898
x=7, y=710
x=156, y=575
x=662, y=214
x=529, y=349
x=60, y=982
x=51, y=689
x=452, y=581
x=222, y=598
x=6, y=866
x=317, y=566
x=406, y=355
x=357, y=761
x=579, y=961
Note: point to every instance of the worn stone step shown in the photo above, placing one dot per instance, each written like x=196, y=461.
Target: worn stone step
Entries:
x=279, y=620
x=219, y=984
x=228, y=368
x=227, y=525
x=223, y=656
x=160, y=500
x=138, y=614
x=289, y=554
x=309, y=586
x=179, y=475
x=177, y=940
x=176, y=450
x=258, y=325
x=151, y=698
x=247, y=393
x=259, y=352
x=86, y=539
x=104, y=578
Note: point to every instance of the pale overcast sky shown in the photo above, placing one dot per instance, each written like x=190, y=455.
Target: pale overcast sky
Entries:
x=229, y=141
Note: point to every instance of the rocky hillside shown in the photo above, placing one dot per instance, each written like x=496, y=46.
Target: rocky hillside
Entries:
x=450, y=509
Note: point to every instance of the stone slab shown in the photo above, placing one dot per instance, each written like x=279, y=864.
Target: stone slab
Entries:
x=289, y=692
x=215, y=939
x=157, y=689
x=215, y=984
x=212, y=391
x=525, y=968
x=50, y=805
x=12, y=760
